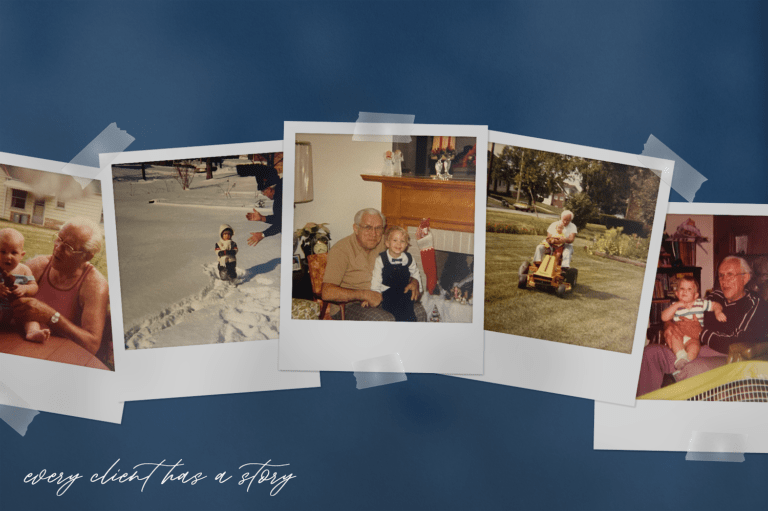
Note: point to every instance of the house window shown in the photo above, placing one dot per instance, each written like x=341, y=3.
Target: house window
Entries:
x=60, y=204
x=18, y=199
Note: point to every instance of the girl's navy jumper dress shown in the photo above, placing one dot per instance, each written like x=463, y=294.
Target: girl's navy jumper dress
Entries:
x=395, y=300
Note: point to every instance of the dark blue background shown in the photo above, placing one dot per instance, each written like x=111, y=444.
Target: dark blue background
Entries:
x=173, y=74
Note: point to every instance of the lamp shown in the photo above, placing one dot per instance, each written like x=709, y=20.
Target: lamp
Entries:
x=303, y=185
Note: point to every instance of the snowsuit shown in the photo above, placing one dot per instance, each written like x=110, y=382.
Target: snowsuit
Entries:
x=226, y=250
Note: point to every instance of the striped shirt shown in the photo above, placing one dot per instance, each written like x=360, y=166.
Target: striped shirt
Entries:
x=695, y=311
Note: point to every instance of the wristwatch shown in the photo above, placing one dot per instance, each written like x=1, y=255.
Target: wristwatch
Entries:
x=55, y=318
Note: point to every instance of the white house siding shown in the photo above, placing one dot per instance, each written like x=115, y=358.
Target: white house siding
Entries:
x=89, y=207
x=8, y=210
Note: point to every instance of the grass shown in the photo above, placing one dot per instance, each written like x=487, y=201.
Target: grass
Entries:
x=600, y=312
x=39, y=241
x=530, y=221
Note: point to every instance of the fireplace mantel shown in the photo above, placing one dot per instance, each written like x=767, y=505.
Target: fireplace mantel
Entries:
x=405, y=201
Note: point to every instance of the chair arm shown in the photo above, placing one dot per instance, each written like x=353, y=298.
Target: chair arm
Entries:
x=740, y=351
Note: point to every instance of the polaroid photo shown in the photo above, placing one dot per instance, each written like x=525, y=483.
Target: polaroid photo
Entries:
x=199, y=232
x=712, y=277
x=569, y=230
x=390, y=239
x=60, y=284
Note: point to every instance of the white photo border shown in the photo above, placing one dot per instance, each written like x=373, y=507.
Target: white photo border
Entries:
x=570, y=370
x=669, y=425
x=209, y=369
x=423, y=348
x=58, y=387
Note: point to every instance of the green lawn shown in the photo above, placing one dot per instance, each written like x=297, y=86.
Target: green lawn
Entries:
x=600, y=312
x=542, y=223
x=39, y=241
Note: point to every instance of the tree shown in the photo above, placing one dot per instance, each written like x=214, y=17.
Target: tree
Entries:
x=499, y=169
x=644, y=189
x=606, y=184
x=583, y=209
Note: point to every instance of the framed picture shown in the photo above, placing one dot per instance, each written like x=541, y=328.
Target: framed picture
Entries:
x=405, y=266
x=569, y=233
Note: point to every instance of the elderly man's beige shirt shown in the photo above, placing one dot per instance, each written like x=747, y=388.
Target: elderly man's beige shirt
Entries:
x=349, y=266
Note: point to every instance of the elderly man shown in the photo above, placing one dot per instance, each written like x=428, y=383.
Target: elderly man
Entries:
x=568, y=235
x=73, y=296
x=746, y=322
x=350, y=268
x=270, y=184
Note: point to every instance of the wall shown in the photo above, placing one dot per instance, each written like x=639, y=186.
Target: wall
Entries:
x=704, y=251
x=340, y=192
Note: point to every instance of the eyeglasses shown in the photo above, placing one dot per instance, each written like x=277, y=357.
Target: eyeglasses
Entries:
x=368, y=228
x=729, y=276
x=67, y=248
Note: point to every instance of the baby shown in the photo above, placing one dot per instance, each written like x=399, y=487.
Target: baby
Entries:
x=560, y=236
x=226, y=249
x=689, y=306
x=392, y=272
x=18, y=281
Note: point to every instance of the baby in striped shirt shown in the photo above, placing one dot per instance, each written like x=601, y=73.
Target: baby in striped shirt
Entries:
x=689, y=306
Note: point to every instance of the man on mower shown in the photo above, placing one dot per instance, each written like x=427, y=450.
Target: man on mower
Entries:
x=555, y=239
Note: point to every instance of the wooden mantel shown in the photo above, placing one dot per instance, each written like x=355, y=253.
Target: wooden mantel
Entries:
x=406, y=201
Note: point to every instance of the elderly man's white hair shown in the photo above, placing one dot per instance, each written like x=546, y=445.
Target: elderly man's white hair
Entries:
x=742, y=262
x=566, y=213
x=369, y=211
x=94, y=242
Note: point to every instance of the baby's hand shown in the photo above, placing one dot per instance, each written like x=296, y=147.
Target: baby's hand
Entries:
x=721, y=317
x=364, y=304
x=17, y=292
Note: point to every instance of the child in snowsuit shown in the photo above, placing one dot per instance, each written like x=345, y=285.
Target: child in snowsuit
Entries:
x=226, y=249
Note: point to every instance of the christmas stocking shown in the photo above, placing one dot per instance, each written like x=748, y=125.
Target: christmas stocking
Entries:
x=427, y=248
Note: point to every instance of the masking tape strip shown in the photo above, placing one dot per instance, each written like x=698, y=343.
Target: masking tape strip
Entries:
x=17, y=413
x=112, y=140
x=374, y=372
x=706, y=446
x=686, y=180
x=373, y=127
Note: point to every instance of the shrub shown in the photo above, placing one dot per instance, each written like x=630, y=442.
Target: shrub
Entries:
x=583, y=209
x=614, y=242
x=503, y=228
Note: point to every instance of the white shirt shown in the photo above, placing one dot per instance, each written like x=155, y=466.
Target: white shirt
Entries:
x=567, y=231
x=378, y=267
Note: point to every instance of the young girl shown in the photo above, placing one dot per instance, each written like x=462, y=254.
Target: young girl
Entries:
x=392, y=271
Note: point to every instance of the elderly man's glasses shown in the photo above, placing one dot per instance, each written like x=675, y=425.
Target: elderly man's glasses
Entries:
x=369, y=228
x=729, y=276
x=57, y=241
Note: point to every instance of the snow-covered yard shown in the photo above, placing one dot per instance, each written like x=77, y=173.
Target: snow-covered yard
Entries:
x=171, y=292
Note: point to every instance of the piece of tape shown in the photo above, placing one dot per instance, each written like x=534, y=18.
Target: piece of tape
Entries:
x=374, y=372
x=706, y=446
x=685, y=180
x=16, y=413
x=373, y=127
x=112, y=141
